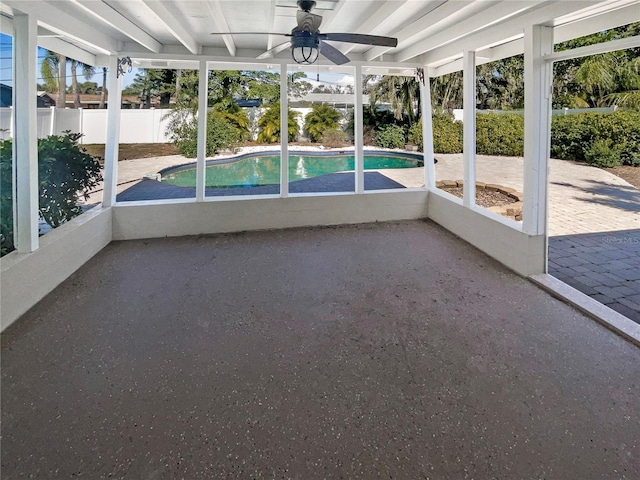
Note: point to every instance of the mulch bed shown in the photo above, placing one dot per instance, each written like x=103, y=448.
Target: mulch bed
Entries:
x=484, y=198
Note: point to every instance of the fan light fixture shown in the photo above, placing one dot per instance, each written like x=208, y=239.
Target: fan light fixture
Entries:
x=305, y=48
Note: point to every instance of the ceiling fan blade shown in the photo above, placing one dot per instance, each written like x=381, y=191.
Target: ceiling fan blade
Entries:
x=333, y=54
x=307, y=21
x=251, y=33
x=359, y=38
x=275, y=50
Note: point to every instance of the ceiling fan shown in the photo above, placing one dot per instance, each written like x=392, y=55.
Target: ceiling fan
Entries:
x=307, y=43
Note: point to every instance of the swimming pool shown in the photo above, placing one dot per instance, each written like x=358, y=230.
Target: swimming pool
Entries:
x=264, y=168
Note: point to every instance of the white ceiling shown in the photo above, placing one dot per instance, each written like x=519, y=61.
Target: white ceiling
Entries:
x=430, y=32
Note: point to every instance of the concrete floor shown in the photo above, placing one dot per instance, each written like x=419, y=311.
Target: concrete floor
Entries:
x=375, y=351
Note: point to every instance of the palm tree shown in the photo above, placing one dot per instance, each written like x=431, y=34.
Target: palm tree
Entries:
x=269, y=125
x=54, y=73
x=87, y=72
x=321, y=118
x=103, y=91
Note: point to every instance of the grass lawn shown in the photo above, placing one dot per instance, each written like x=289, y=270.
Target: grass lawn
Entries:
x=129, y=151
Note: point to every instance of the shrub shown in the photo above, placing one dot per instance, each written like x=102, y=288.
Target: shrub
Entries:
x=574, y=137
x=333, y=138
x=321, y=118
x=65, y=173
x=221, y=133
x=500, y=134
x=447, y=134
x=603, y=154
x=390, y=136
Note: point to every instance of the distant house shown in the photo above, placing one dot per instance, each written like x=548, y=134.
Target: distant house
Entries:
x=6, y=97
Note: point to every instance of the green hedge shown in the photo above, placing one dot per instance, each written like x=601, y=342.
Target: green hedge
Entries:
x=601, y=139
x=447, y=134
x=500, y=134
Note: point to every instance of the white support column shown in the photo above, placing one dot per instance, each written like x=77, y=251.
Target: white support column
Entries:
x=203, y=93
x=427, y=134
x=81, y=124
x=538, y=76
x=358, y=119
x=284, y=132
x=52, y=127
x=113, y=134
x=25, y=144
x=469, y=128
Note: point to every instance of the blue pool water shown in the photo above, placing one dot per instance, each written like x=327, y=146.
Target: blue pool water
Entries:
x=265, y=169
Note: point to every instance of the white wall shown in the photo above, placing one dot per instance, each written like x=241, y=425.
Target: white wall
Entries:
x=25, y=278
x=525, y=254
x=135, y=220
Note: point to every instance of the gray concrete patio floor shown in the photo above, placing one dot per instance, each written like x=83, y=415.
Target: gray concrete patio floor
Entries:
x=586, y=204
x=374, y=351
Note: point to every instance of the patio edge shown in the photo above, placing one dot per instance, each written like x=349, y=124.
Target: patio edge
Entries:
x=601, y=313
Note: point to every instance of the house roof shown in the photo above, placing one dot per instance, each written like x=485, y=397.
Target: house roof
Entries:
x=432, y=33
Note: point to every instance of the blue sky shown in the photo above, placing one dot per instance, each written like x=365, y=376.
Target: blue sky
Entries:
x=6, y=67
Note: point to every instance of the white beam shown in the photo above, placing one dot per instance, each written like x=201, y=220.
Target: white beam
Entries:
x=427, y=134
x=492, y=15
x=64, y=24
x=538, y=76
x=511, y=28
x=284, y=132
x=203, y=94
x=358, y=131
x=68, y=50
x=114, y=106
x=111, y=17
x=597, y=23
x=469, y=128
x=426, y=25
x=221, y=25
x=612, y=46
x=375, y=19
x=25, y=146
x=272, y=21
x=170, y=22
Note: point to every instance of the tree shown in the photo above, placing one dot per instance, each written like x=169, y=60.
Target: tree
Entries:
x=103, y=90
x=87, y=72
x=269, y=125
x=403, y=93
x=54, y=73
x=320, y=119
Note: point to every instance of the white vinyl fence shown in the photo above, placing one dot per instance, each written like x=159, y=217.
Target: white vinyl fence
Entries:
x=136, y=126
x=149, y=125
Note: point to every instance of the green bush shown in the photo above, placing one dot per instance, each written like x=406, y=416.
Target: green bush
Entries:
x=390, y=136
x=65, y=173
x=320, y=119
x=496, y=134
x=334, y=137
x=602, y=153
x=222, y=133
x=574, y=137
x=500, y=134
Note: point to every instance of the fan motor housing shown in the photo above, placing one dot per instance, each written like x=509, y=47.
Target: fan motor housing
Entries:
x=306, y=5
